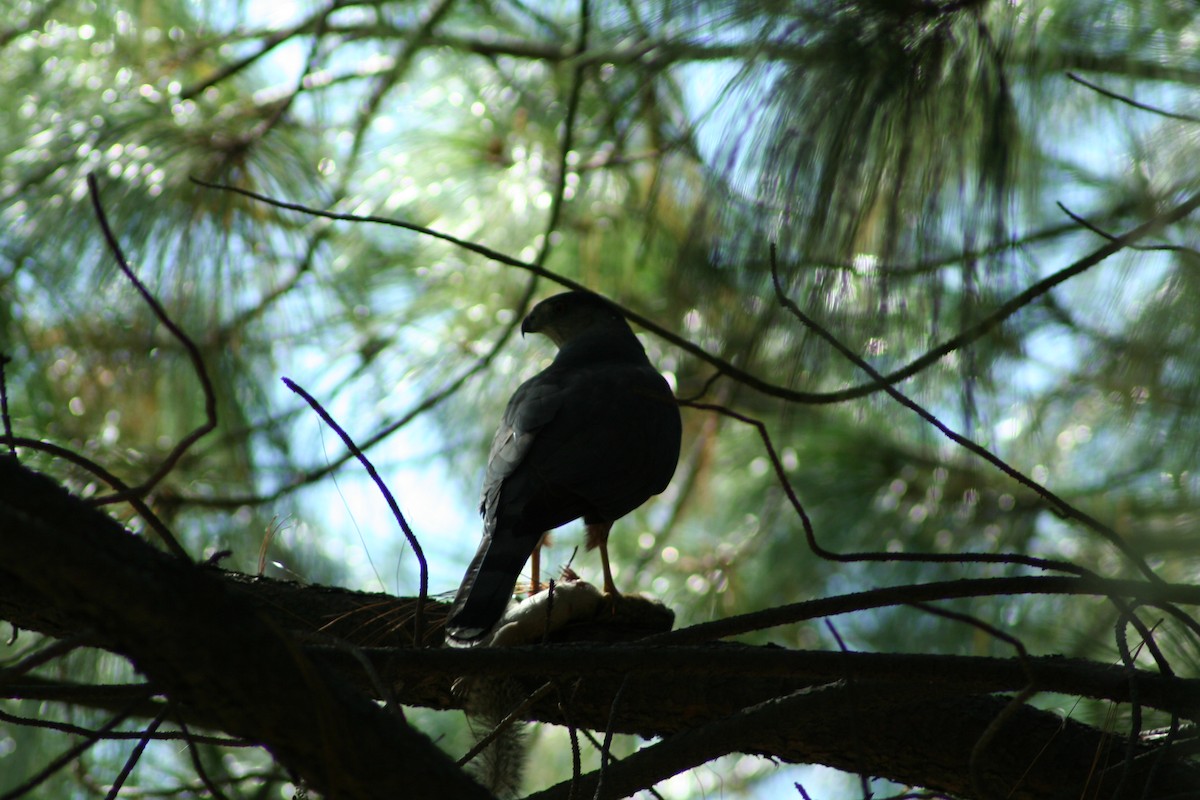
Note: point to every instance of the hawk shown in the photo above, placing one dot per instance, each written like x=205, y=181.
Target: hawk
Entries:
x=594, y=435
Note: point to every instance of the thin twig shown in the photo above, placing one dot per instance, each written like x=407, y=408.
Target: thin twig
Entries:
x=837, y=637
x=988, y=628
x=210, y=397
x=1155, y=594
x=272, y=40
x=8, y=428
x=510, y=719
x=1160, y=757
x=576, y=762
x=613, y=759
x=811, y=536
x=419, y=617
x=382, y=689
x=429, y=402
x=55, y=649
x=1096, y=229
x=1058, y=504
x=1135, y=702
x=198, y=765
x=975, y=765
x=608, y=737
x=131, y=497
x=550, y=595
x=1021, y=300
x=568, y=135
x=411, y=45
x=116, y=736
x=1131, y=102
x=930, y=357
x=264, y=127
x=72, y=753
x=134, y=756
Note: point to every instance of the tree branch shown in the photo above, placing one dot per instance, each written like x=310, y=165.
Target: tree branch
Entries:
x=207, y=649
x=227, y=651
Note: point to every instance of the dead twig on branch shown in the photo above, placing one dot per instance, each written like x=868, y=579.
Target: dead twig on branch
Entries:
x=423, y=565
x=193, y=352
x=930, y=357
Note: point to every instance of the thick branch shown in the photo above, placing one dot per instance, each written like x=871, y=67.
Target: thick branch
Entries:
x=206, y=648
x=225, y=648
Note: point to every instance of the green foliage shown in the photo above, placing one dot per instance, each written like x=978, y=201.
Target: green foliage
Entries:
x=905, y=158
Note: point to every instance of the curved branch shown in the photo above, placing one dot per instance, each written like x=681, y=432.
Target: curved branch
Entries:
x=210, y=397
x=123, y=489
x=984, y=326
x=422, y=564
x=1060, y=505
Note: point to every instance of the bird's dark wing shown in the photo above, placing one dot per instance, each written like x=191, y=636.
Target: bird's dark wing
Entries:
x=530, y=409
x=487, y=587
x=591, y=440
x=613, y=445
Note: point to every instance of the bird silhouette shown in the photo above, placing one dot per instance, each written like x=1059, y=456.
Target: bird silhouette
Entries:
x=594, y=435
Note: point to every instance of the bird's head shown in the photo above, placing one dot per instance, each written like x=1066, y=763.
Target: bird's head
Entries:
x=564, y=317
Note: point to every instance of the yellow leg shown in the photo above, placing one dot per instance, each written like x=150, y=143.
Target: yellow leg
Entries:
x=609, y=586
x=597, y=536
x=535, y=567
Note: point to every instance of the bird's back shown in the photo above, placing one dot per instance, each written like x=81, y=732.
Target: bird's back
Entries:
x=594, y=435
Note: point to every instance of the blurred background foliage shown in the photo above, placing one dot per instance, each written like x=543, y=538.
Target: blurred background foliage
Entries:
x=906, y=157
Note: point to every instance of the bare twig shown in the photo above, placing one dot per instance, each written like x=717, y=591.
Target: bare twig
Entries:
x=536, y=270
x=271, y=41
x=8, y=428
x=130, y=496
x=419, y=620
x=429, y=402
x=550, y=595
x=1130, y=101
x=811, y=536
x=1096, y=229
x=510, y=719
x=564, y=707
x=134, y=756
x=1151, y=593
x=568, y=136
x=278, y=109
x=46, y=654
x=413, y=41
x=116, y=736
x=855, y=712
x=607, y=753
x=932, y=356
x=198, y=765
x=606, y=750
x=975, y=765
x=1056, y=503
x=210, y=398
x=1164, y=749
x=1023, y=299
x=1135, y=703
x=65, y=758
x=576, y=762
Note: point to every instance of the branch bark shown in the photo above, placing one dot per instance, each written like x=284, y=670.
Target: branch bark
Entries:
x=293, y=668
x=206, y=648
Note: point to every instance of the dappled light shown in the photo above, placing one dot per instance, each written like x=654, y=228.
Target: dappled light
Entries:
x=921, y=277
